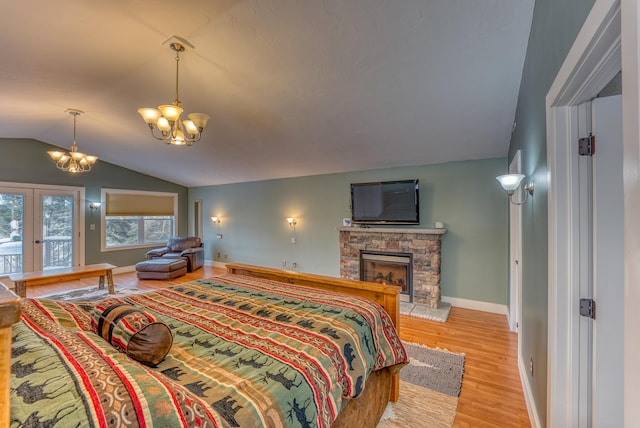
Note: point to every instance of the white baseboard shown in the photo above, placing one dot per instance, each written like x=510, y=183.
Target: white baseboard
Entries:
x=124, y=269
x=476, y=305
x=528, y=394
x=215, y=264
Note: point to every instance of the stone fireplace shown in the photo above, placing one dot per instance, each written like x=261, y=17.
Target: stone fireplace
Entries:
x=423, y=245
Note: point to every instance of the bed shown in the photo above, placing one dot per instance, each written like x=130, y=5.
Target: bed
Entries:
x=254, y=347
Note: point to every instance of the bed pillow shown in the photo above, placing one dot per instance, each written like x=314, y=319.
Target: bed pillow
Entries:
x=136, y=333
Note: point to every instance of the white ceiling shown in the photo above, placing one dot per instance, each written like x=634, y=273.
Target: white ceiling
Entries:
x=293, y=87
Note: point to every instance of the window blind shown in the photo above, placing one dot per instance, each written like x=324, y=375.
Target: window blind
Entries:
x=132, y=204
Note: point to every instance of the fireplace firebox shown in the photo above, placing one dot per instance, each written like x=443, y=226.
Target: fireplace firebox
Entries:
x=388, y=268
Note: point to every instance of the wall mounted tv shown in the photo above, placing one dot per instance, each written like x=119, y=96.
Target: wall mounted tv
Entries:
x=388, y=202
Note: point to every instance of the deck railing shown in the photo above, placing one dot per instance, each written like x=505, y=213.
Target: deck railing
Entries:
x=56, y=252
x=10, y=263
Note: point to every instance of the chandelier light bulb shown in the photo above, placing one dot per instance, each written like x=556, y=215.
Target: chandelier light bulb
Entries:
x=150, y=115
x=163, y=125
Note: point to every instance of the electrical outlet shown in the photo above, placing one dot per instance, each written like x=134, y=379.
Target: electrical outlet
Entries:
x=293, y=239
x=219, y=236
x=92, y=227
x=218, y=255
x=284, y=263
x=531, y=366
x=294, y=265
x=226, y=256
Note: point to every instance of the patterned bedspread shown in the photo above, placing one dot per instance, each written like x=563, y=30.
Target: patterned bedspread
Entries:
x=246, y=352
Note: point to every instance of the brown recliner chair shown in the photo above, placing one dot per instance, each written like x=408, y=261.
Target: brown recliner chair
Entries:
x=189, y=248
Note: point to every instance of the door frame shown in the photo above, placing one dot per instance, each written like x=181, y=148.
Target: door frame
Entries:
x=197, y=218
x=631, y=183
x=30, y=216
x=515, y=257
x=594, y=59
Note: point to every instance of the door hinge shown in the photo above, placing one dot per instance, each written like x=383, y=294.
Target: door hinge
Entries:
x=587, y=145
x=588, y=308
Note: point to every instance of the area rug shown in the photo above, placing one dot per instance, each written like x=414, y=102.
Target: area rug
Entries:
x=91, y=294
x=435, y=369
x=429, y=389
x=423, y=311
x=419, y=407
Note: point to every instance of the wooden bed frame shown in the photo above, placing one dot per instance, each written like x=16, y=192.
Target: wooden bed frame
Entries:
x=385, y=295
x=9, y=315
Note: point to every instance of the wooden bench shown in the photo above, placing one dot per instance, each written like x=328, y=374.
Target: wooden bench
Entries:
x=50, y=276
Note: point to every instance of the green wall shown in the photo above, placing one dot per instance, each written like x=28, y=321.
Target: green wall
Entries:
x=28, y=162
x=554, y=28
x=463, y=195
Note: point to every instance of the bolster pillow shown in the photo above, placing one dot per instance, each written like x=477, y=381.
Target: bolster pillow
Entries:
x=134, y=332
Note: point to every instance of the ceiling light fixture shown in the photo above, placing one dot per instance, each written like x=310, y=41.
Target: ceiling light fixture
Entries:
x=74, y=161
x=167, y=117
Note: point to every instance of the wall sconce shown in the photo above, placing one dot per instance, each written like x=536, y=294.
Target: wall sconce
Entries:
x=511, y=182
x=95, y=205
x=216, y=221
x=292, y=223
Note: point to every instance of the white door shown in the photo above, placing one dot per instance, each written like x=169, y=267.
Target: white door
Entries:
x=56, y=230
x=16, y=215
x=608, y=264
x=600, y=359
x=40, y=228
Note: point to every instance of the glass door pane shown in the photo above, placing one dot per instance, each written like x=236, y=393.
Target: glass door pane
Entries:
x=55, y=244
x=11, y=232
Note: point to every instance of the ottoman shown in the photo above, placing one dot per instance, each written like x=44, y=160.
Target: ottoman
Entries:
x=161, y=268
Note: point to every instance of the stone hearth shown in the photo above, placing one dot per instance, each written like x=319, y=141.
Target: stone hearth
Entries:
x=424, y=244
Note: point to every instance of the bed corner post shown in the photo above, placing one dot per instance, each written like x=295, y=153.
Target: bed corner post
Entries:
x=9, y=315
x=392, y=306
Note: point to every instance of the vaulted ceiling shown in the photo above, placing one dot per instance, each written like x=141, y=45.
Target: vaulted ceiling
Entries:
x=293, y=88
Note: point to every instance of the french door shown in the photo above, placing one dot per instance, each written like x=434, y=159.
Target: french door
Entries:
x=40, y=228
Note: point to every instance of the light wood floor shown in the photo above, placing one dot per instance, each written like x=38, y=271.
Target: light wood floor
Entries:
x=491, y=390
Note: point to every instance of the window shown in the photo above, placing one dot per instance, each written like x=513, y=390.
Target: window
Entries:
x=137, y=230
x=137, y=219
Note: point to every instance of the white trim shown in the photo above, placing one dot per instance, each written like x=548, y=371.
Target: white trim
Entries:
x=594, y=58
x=124, y=269
x=534, y=419
x=477, y=305
x=38, y=186
x=215, y=264
x=631, y=178
x=515, y=256
x=592, y=62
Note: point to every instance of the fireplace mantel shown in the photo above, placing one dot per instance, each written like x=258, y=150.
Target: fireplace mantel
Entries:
x=423, y=244
x=355, y=229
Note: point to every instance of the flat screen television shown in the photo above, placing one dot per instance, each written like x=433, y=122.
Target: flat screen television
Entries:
x=387, y=202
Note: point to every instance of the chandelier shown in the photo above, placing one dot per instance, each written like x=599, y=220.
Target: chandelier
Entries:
x=167, y=117
x=74, y=161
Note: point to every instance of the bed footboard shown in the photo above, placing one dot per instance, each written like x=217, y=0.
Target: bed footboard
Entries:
x=9, y=315
x=386, y=296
